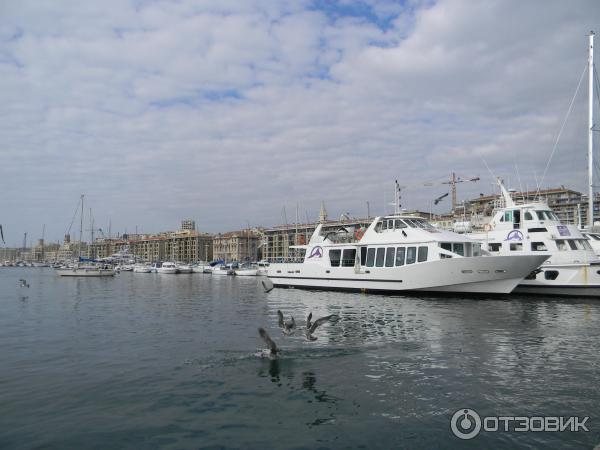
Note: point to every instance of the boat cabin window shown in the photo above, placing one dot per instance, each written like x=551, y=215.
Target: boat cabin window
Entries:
x=516, y=246
x=546, y=215
x=349, y=257
x=399, y=224
x=508, y=216
x=561, y=245
x=390, y=224
x=538, y=247
x=586, y=244
x=517, y=218
x=551, y=274
x=400, y=256
x=380, y=257
x=446, y=246
x=537, y=230
x=370, y=257
x=459, y=249
x=411, y=255
x=335, y=257
x=528, y=215
x=476, y=249
x=390, y=255
x=494, y=246
x=572, y=244
x=594, y=236
x=422, y=255
x=363, y=256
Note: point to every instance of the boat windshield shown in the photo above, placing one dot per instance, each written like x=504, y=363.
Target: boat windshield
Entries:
x=546, y=215
x=419, y=223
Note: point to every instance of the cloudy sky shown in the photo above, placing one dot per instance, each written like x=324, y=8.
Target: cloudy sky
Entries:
x=236, y=112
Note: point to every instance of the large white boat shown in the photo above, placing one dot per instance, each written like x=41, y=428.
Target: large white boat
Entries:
x=401, y=253
x=533, y=229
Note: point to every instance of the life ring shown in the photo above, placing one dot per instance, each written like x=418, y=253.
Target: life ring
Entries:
x=487, y=227
x=358, y=234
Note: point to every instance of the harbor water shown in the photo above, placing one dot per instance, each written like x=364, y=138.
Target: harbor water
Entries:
x=175, y=361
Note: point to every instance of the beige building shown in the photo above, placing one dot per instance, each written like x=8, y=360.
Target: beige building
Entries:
x=182, y=246
x=237, y=246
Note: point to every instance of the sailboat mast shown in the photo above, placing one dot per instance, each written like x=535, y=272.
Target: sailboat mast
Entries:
x=80, y=228
x=590, y=134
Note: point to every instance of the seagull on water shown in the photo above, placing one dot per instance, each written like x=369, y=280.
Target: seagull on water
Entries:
x=288, y=326
x=270, y=343
x=23, y=283
x=312, y=326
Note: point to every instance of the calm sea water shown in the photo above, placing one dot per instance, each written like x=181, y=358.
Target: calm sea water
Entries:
x=159, y=361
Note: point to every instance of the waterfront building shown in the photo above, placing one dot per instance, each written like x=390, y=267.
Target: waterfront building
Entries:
x=237, y=245
x=182, y=246
x=188, y=225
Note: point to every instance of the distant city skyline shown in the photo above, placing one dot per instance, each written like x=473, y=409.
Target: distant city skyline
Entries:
x=226, y=113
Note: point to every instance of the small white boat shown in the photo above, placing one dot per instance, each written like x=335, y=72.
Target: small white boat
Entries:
x=142, y=268
x=249, y=270
x=184, y=268
x=263, y=268
x=167, y=267
x=222, y=270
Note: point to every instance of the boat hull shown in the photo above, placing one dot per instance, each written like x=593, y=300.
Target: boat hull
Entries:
x=474, y=275
x=85, y=272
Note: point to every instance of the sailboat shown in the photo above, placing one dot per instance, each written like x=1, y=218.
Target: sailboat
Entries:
x=90, y=269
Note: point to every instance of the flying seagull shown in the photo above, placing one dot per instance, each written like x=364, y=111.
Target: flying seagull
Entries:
x=2, y=234
x=288, y=327
x=311, y=327
x=265, y=336
x=23, y=283
x=267, y=285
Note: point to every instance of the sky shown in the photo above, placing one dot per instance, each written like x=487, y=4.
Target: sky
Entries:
x=253, y=112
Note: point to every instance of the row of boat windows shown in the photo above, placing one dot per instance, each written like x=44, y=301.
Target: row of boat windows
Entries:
x=398, y=224
x=379, y=257
x=561, y=244
x=515, y=215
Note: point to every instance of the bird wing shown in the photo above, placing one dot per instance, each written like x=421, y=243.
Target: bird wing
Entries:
x=331, y=318
x=280, y=318
x=308, y=320
x=265, y=336
x=2, y=234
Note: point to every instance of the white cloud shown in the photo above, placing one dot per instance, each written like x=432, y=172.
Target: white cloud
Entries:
x=227, y=111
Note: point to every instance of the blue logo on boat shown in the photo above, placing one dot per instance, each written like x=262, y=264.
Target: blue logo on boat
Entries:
x=514, y=235
x=317, y=252
x=563, y=230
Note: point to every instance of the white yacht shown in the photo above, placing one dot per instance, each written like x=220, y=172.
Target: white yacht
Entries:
x=533, y=229
x=143, y=268
x=86, y=270
x=247, y=270
x=401, y=253
x=263, y=267
x=184, y=268
x=594, y=240
x=167, y=267
x=222, y=269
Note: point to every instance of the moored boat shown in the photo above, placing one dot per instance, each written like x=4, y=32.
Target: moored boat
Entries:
x=400, y=253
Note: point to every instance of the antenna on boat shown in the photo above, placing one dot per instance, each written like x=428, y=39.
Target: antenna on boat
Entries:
x=591, y=134
x=397, y=198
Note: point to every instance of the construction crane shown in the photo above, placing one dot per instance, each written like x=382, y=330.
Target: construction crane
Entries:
x=454, y=181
